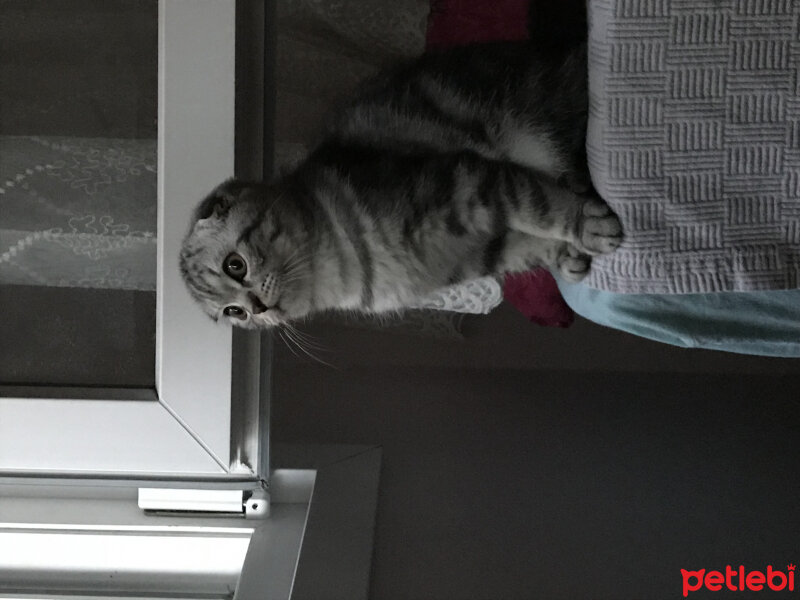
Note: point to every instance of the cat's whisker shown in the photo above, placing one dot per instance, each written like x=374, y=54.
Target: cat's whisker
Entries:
x=306, y=338
x=293, y=258
x=295, y=275
x=305, y=334
x=290, y=333
x=287, y=280
x=303, y=349
x=298, y=254
x=296, y=266
x=300, y=347
x=288, y=345
x=295, y=271
x=297, y=261
x=293, y=254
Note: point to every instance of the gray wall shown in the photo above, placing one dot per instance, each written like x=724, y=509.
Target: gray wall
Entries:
x=527, y=462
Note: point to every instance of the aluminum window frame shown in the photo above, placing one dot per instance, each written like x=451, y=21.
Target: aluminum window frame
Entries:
x=189, y=427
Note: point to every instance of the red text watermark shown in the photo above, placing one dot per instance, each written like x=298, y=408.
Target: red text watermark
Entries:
x=738, y=580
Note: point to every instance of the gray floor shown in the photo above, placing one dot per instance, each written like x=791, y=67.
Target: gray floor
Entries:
x=545, y=483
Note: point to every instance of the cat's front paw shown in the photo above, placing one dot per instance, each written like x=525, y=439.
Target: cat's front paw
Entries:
x=599, y=230
x=572, y=263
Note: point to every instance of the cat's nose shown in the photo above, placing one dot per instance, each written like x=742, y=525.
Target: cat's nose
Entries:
x=258, y=306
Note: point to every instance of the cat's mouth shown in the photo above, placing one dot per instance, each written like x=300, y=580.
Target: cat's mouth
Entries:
x=275, y=313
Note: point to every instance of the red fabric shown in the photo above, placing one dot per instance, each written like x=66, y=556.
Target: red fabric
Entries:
x=536, y=295
x=456, y=22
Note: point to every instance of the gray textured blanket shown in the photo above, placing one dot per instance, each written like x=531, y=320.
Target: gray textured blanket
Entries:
x=694, y=140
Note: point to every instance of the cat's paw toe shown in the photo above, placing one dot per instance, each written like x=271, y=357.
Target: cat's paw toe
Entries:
x=601, y=230
x=573, y=264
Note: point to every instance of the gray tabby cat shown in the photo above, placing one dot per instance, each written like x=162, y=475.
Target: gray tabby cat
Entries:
x=464, y=163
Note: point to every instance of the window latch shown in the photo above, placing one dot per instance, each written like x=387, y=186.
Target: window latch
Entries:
x=248, y=504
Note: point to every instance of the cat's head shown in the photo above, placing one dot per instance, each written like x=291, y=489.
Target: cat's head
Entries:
x=245, y=256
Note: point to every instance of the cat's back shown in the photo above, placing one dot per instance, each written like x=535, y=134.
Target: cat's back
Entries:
x=472, y=98
x=442, y=101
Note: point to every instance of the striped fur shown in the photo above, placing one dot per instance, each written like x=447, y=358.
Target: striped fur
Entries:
x=439, y=171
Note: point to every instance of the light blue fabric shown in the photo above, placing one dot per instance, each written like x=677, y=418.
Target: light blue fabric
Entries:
x=764, y=323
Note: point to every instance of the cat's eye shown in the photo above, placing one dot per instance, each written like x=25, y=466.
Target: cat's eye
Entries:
x=237, y=312
x=234, y=266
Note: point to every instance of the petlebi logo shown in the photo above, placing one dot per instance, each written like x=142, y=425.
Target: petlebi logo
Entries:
x=738, y=580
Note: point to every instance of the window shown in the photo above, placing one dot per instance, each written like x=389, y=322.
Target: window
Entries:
x=114, y=491
x=185, y=424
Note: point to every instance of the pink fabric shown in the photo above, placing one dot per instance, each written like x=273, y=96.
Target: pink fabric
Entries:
x=456, y=22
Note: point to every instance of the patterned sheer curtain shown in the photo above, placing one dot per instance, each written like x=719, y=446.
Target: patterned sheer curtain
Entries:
x=72, y=212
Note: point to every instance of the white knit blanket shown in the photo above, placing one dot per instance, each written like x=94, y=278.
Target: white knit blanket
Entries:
x=694, y=140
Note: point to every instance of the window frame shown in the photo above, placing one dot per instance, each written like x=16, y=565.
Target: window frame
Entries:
x=189, y=427
x=323, y=541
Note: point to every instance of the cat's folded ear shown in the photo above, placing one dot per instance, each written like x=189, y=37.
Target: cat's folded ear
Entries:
x=218, y=202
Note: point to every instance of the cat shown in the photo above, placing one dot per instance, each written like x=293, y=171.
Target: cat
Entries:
x=464, y=163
